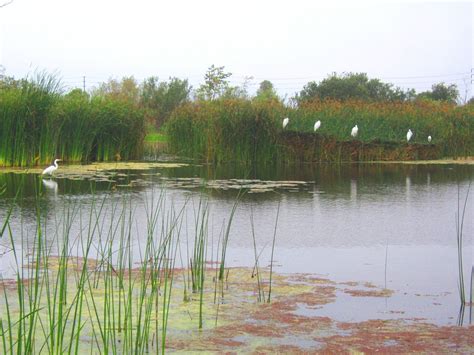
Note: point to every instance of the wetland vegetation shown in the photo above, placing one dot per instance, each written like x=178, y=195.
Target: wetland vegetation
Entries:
x=38, y=123
x=182, y=254
x=220, y=123
x=251, y=131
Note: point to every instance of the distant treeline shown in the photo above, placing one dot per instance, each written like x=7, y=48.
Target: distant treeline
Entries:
x=217, y=121
x=38, y=124
x=160, y=98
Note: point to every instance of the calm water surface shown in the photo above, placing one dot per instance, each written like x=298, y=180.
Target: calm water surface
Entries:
x=389, y=224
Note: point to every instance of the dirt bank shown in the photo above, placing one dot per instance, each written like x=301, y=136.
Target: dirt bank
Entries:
x=313, y=147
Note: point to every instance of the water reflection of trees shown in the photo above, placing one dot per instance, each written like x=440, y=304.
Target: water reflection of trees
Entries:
x=350, y=182
x=333, y=179
x=387, y=173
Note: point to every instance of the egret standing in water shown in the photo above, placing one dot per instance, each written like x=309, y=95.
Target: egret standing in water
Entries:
x=317, y=125
x=429, y=139
x=409, y=135
x=285, y=122
x=51, y=169
x=354, y=131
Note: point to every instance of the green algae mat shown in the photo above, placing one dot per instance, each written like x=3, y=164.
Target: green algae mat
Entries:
x=235, y=314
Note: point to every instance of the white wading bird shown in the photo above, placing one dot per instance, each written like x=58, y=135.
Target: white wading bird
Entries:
x=409, y=135
x=285, y=122
x=429, y=139
x=354, y=131
x=317, y=125
x=51, y=169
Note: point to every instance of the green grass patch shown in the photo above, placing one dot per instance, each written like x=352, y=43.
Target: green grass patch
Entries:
x=156, y=137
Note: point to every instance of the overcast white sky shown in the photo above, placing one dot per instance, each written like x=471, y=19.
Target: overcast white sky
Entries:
x=408, y=43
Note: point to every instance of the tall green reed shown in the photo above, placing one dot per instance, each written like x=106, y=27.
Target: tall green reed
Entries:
x=459, y=218
x=39, y=123
x=214, y=131
x=249, y=131
x=225, y=239
x=272, y=254
x=256, y=268
x=60, y=298
x=91, y=282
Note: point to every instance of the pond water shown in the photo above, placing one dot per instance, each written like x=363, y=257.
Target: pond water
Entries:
x=388, y=225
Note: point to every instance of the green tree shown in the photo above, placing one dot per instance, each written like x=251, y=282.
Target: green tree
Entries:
x=441, y=92
x=239, y=91
x=77, y=93
x=266, y=91
x=161, y=98
x=215, y=84
x=7, y=82
x=126, y=89
x=353, y=86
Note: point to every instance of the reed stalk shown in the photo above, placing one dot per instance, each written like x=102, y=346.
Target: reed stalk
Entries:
x=39, y=123
x=459, y=216
x=271, y=258
x=251, y=132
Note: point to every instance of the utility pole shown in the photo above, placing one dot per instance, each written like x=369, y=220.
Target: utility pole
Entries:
x=84, y=83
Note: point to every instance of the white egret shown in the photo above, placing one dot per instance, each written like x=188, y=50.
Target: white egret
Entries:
x=285, y=122
x=409, y=135
x=51, y=169
x=354, y=131
x=317, y=125
x=429, y=139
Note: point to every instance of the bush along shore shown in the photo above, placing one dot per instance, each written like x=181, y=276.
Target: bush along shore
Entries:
x=38, y=124
x=252, y=131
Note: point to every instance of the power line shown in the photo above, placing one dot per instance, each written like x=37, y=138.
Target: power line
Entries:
x=287, y=84
x=325, y=76
x=425, y=76
x=243, y=77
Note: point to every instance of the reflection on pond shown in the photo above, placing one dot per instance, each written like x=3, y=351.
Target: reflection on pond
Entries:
x=392, y=225
x=50, y=185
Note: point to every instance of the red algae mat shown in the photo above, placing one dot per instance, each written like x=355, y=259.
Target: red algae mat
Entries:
x=283, y=326
x=239, y=318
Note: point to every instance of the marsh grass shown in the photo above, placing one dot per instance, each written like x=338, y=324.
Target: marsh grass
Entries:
x=156, y=137
x=87, y=280
x=39, y=123
x=256, y=268
x=272, y=254
x=216, y=130
x=459, y=218
x=471, y=296
x=59, y=299
x=225, y=239
x=247, y=131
